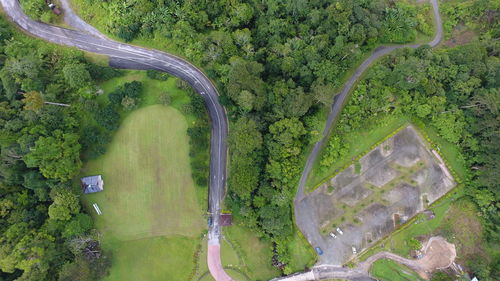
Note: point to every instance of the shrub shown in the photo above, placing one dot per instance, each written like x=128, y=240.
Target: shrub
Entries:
x=157, y=75
x=164, y=98
x=414, y=244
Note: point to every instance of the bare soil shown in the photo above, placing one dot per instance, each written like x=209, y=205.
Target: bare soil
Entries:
x=439, y=254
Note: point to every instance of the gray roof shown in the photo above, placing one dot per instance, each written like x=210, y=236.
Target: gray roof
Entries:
x=92, y=184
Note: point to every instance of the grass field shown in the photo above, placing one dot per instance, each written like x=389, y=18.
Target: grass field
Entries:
x=158, y=258
x=151, y=207
x=142, y=223
x=148, y=186
x=387, y=270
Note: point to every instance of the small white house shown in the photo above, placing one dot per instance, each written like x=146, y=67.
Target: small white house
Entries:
x=92, y=184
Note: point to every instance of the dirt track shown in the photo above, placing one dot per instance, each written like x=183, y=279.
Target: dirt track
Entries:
x=438, y=254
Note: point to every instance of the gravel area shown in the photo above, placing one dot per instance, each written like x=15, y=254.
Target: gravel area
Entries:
x=394, y=181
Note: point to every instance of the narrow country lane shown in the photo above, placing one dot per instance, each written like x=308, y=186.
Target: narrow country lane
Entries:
x=87, y=38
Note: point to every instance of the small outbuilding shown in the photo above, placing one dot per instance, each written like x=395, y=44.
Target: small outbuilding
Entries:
x=92, y=184
x=226, y=220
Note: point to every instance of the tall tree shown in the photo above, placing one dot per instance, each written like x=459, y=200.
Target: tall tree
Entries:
x=57, y=156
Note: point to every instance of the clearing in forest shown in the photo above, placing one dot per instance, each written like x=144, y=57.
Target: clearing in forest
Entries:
x=369, y=199
x=148, y=189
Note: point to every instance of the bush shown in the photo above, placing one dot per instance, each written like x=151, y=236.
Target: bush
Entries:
x=164, y=99
x=129, y=103
x=157, y=75
x=128, y=32
x=414, y=244
x=441, y=276
x=102, y=73
x=108, y=117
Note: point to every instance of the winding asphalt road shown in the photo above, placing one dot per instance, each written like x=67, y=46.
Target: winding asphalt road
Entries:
x=87, y=38
x=305, y=217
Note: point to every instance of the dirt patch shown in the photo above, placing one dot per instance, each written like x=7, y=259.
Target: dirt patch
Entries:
x=439, y=254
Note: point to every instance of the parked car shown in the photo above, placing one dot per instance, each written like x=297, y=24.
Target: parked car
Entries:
x=318, y=250
x=209, y=221
x=354, y=250
x=333, y=235
x=340, y=231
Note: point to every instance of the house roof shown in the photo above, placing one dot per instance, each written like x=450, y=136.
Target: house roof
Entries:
x=225, y=219
x=92, y=184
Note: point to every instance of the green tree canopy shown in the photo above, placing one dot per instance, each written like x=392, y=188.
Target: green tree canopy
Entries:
x=77, y=75
x=57, y=156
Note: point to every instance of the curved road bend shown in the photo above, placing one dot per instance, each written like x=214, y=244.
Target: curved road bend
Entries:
x=127, y=56
x=305, y=218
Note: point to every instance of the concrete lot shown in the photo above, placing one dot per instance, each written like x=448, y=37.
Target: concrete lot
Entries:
x=390, y=184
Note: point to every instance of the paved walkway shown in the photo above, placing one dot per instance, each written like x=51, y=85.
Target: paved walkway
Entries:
x=215, y=265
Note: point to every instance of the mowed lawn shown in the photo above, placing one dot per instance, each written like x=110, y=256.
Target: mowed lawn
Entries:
x=151, y=219
x=152, y=259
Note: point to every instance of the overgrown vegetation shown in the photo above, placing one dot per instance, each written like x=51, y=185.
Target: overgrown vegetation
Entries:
x=39, y=10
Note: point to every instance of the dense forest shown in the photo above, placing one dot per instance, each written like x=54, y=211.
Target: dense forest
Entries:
x=44, y=232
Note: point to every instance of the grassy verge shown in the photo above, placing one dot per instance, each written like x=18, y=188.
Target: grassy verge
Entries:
x=387, y=270
x=231, y=261
x=254, y=254
x=301, y=252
